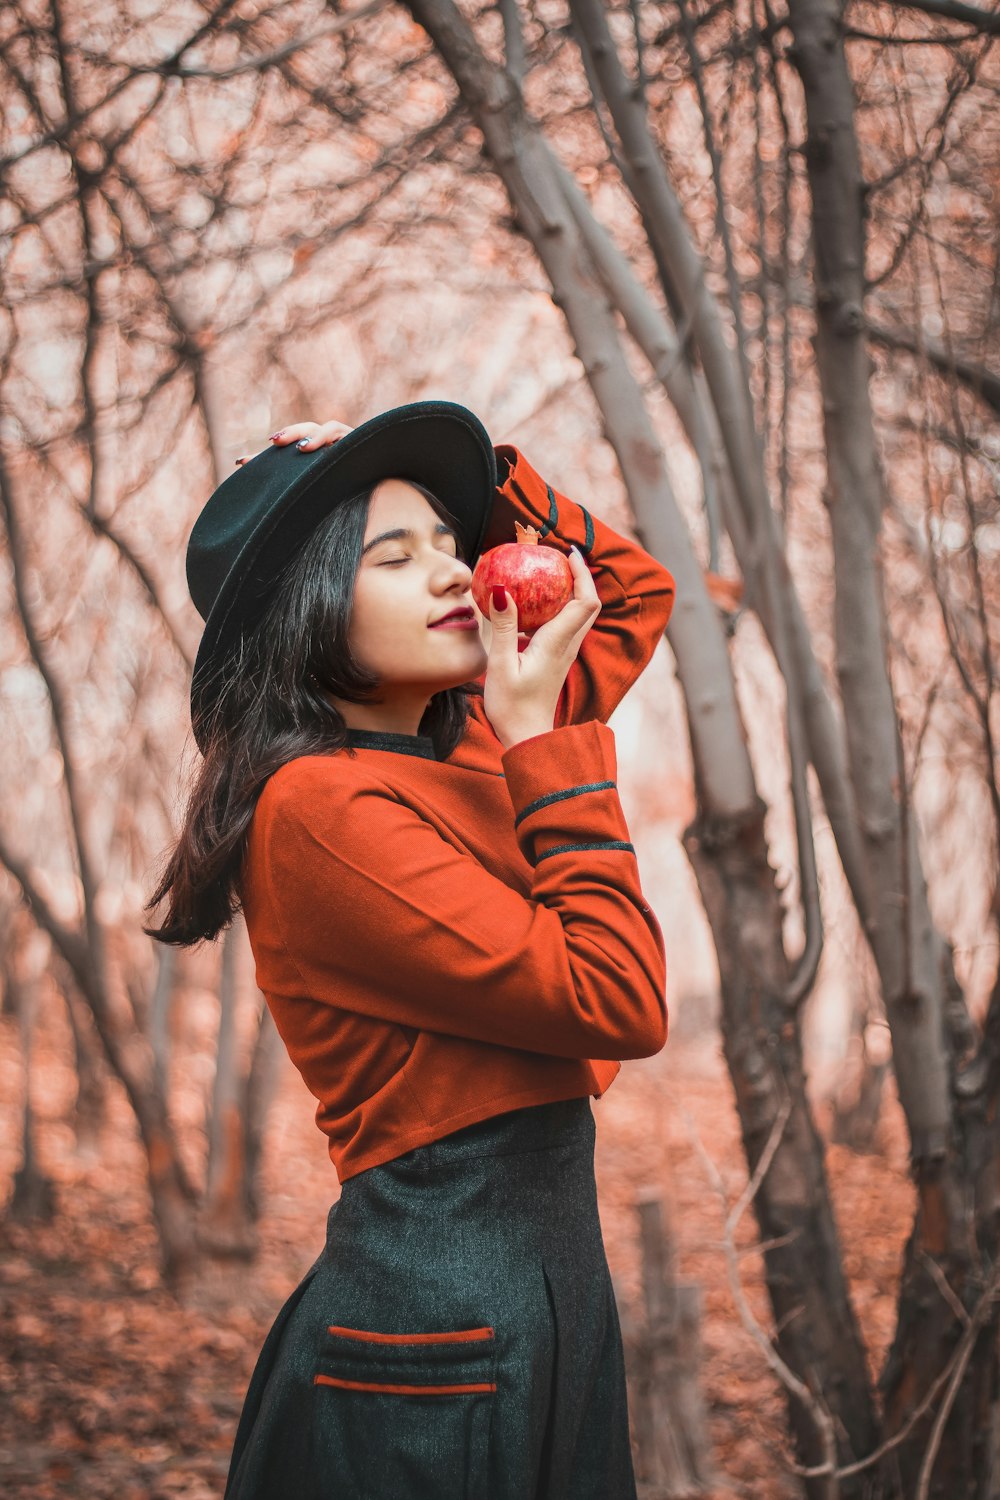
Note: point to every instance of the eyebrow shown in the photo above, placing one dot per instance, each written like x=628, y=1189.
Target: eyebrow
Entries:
x=441, y=529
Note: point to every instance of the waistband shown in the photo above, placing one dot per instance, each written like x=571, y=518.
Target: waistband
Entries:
x=526, y=1173
x=537, y=1127
x=560, y=1125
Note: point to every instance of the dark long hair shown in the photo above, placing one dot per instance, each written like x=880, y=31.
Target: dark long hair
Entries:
x=267, y=707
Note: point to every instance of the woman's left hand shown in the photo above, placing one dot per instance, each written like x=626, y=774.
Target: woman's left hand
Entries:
x=308, y=436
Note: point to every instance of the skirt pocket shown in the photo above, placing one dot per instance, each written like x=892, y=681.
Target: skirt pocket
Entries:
x=405, y=1416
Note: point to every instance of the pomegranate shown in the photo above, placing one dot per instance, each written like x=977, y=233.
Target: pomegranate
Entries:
x=539, y=579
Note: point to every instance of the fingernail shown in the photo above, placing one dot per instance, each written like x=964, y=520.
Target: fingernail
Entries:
x=574, y=548
x=275, y=436
x=239, y=461
x=499, y=597
x=302, y=442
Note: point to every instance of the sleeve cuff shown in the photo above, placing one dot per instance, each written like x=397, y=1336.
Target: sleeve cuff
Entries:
x=563, y=786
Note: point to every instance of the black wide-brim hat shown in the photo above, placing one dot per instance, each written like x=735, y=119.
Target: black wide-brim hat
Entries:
x=259, y=517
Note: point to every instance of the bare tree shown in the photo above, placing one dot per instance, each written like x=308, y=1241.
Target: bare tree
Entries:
x=745, y=215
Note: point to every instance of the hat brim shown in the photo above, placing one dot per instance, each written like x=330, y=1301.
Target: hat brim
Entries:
x=437, y=444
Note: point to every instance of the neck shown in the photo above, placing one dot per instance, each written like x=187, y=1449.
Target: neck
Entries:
x=386, y=718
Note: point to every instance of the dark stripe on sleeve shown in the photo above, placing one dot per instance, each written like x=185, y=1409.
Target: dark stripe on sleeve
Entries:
x=573, y=791
x=551, y=525
x=589, y=539
x=553, y=520
x=570, y=848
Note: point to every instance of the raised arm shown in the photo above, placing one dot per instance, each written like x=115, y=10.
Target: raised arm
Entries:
x=636, y=592
x=361, y=902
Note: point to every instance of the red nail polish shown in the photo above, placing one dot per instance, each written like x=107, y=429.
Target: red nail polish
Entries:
x=274, y=437
x=499, y=597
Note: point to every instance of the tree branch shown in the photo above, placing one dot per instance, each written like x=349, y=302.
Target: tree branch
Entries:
x=810, y=1399
x=59, y=711
x=980, y=380
x=951, y=10
x=261, y=61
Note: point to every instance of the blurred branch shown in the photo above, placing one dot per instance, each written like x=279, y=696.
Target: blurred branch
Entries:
x=715, y=161
x=68, y=942
x=958, y=1365
x=951, y=10
x=976, y=445
x=958, y=619
x=950, y=1376
x=982, y=701
x=982, y=381
x=103, y=527
x=58, y=707
x=150, y=587
x=57, y=134
x=513, y=38
x=92, y=271
x=785, y=276
x=920, y=156
x=640, y=50
x=924, y=160
x=262, y=61
x=811, y=1400
x=893, y=39
x=675, y=28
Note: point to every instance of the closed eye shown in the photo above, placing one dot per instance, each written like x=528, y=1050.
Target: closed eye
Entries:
x=393, y=562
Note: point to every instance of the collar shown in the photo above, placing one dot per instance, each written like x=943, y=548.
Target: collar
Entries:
x=385, y=739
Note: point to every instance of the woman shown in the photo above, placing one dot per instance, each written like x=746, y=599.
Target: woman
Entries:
x=421, y=825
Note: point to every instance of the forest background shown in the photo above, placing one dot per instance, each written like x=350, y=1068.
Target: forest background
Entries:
x=727, y=272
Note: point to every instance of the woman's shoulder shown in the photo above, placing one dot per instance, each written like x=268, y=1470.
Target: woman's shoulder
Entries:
x=307, y=776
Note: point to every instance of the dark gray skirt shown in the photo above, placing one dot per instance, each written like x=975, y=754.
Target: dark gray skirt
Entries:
x=458, y=1337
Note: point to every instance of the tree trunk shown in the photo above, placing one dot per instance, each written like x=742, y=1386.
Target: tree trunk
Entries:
x=160, y=1004
x=33, y=1198
x=225, y=1227
x=262, y=1081
x=88, y=1108
x=171, y=1193
x=942, y=1265
x=130, y=1058
x=817, y=1335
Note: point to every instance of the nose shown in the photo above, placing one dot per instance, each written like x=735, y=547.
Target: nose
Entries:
x=457, y=571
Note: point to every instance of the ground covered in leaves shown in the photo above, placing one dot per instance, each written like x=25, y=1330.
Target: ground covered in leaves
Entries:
x=112, y=1386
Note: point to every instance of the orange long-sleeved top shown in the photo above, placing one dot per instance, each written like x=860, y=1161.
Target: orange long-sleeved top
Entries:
x=441, y=941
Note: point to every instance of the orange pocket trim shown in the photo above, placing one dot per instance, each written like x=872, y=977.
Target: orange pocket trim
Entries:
x=461, y=1336
x=403, y=1390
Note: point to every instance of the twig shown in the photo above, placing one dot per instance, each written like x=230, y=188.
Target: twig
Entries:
x=953, y=10
x=513, y=41
x=809, y=1399
x=262, y=60
x=950, y=1376
x=945, y=1288
x=959, y=1361
x=761, y=1247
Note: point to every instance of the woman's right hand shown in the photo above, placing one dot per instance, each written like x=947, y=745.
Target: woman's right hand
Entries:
x=522, y=688
x=307, y=437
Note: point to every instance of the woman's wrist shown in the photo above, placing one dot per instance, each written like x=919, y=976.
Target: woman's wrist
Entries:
x=523, y=732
